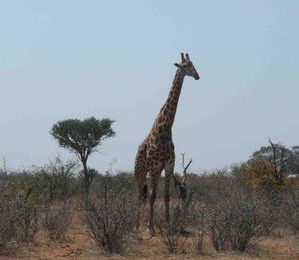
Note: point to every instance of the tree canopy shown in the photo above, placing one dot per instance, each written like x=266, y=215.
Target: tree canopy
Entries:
x=283, y=158
x=82, y=136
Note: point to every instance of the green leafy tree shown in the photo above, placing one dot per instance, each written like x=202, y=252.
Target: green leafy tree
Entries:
x=82, y=138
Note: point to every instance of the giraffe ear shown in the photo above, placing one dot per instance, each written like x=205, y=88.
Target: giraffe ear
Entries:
x=178, y=65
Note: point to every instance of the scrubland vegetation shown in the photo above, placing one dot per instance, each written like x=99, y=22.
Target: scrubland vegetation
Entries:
x=62, y=209
x=230, y=212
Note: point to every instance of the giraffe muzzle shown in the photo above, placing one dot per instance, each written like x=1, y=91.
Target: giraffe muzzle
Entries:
x=196, y=76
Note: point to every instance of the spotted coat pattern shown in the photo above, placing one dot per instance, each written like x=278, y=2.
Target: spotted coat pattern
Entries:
x=156, y=152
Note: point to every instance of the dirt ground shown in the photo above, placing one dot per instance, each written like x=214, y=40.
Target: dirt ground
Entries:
x=78, y=245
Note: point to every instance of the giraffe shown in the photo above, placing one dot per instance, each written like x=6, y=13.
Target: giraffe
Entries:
x=156, y=152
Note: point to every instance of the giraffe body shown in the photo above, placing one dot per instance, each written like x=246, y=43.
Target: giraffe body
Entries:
x=156, y=152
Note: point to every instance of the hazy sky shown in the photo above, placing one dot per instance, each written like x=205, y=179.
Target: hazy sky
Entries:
x=76, y=59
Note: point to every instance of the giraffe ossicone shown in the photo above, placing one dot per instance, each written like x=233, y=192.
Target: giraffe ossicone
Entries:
x=156, y=152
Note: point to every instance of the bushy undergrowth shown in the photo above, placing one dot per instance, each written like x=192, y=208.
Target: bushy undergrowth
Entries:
x=7, y=221
x=111, y=213
x=231, y=213
x=174, y=234
x=26, y=219
x=233, y=220
x=223, y=209
x=57, y=219
x=290, y=209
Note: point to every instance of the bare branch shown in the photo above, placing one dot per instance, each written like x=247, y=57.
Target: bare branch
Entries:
x=185, y=168
x=4, y=164
x=185, y=171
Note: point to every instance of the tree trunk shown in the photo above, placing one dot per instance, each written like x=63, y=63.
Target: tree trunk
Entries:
x=87, y=178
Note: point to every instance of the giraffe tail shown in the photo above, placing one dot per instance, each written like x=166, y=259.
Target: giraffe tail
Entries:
x=145, y=189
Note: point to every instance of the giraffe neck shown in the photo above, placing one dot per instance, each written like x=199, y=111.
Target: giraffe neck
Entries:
x=168, y=111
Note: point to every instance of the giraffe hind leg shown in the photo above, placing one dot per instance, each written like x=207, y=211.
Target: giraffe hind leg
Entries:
x=142, y=186
x=141, y=171
x=142, y=191
x=169, y=171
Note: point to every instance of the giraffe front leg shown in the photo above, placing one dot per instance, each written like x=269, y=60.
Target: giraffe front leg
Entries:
x=169, y=169
x=166, y=196
x=152, y=205
x=168, y=173
x=155, y=173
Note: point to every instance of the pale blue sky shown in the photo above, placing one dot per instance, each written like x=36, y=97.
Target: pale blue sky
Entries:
x=75, y=59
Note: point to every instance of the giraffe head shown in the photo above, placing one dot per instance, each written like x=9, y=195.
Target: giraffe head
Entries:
x=186, y=66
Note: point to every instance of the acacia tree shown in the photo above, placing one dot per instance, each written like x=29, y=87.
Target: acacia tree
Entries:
x=82, y=138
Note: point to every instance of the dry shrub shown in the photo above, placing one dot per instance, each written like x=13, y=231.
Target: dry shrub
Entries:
x=219, y=226
x=244, y=221
x=198, y=215
x=235, y=216
x=197, y=240
x=292, y=217
x=173, y=234
x=57, y=179
x=290, y=209
x=18, y=218
x=24, y=195
x=7, y=221
x=111, y=215
x=173, y=242
x=57, y=219
x=26, y=219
